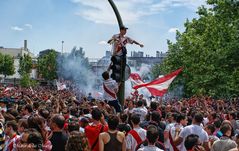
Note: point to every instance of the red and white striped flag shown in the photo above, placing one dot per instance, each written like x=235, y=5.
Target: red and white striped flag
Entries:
x=159, y=86
x=135, y=79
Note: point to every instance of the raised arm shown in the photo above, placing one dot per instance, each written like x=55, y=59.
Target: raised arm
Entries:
x=110, y=41
x=135, y=42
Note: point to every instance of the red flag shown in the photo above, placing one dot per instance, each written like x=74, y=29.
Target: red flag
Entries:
x=159, y=86
x=135, y=79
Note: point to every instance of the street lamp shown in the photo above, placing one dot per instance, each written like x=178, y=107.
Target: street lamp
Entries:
x=62, y=42
x=61, y=61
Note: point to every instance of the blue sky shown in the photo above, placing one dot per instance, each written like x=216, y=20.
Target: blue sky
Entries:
x=89, y=23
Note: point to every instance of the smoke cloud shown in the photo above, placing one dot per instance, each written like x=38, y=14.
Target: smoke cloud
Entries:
x=144, y=72
x=75, y=67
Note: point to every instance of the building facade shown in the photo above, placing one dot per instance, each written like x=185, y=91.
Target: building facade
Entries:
x=136, y=60
x=16, y=53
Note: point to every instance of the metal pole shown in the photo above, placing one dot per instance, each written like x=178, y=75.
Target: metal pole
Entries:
x=61, y=65
x=121, y=91
x=117, y=14
x=62, y=42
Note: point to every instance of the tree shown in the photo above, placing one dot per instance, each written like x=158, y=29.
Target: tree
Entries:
x=156, y=71
x=47, y=65
x=1, y=63
x=26, y=81
x=25, y=64
x=208, y=51
x=6, y=65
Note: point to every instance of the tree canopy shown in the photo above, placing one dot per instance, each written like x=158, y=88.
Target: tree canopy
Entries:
x=25, y=64
x=47, y=65
x=208, y=50
x=6, y=65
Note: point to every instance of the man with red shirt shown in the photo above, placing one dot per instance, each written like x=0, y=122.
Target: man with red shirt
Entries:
x=93, y=130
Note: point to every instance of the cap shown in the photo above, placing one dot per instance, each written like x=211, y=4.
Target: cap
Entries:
x=123, y=27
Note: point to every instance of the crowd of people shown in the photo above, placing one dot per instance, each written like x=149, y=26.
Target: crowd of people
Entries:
x=45, y=119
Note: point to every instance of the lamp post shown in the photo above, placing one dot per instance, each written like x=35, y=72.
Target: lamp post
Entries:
x=61, y=64
x=62, y=43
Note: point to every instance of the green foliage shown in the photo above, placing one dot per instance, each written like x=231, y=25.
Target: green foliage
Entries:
x=47, y=65
x=6, y=65
x=25, y=64
x=156, y=71
x=208, y=50
x=1, y=63
x=26, y=81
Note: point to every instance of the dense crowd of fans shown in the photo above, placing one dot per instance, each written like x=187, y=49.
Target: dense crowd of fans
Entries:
x=41, y=118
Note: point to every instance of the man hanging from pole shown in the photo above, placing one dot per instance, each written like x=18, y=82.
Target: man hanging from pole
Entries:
x=111, y=88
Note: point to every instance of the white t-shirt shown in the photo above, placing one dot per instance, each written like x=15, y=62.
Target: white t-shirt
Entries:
x=173, y=133
x=140, y=111
x=167, y=129
x=131, y=143
x=149, y=148
x=119, y=42
x=193, y=129
x=205, y=121
x=112, y=86
x=127, y=110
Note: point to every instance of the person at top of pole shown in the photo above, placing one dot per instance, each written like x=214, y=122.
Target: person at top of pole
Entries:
x=119, y=41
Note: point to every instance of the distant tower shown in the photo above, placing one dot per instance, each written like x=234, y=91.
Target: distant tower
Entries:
x=140, y=54
x=157, y=53
x=25, y=45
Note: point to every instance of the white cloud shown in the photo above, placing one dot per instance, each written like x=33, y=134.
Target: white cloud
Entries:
x=167, y=4
x=28, y=26
x=100, y=11
x=131, y=11
x=16, y=28
x=102, y=43
x=173, y=30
